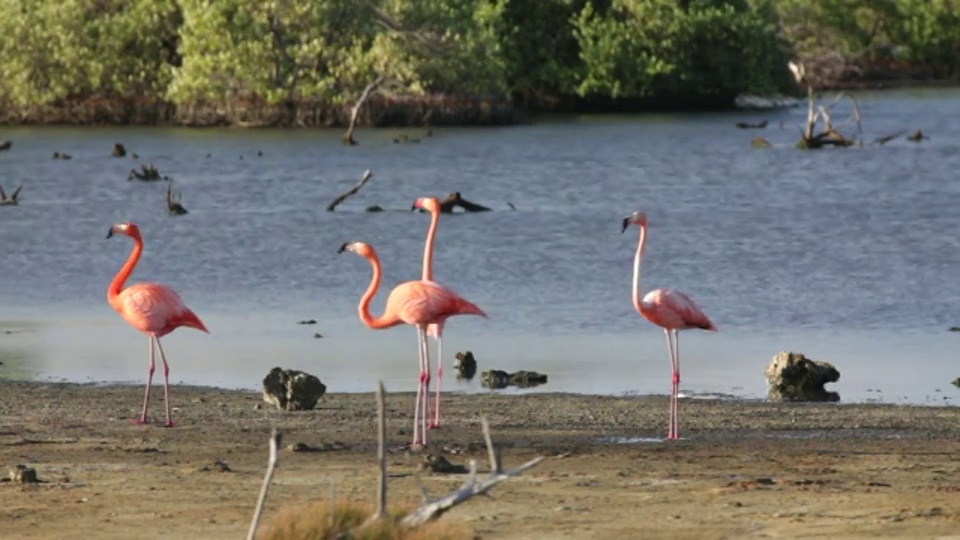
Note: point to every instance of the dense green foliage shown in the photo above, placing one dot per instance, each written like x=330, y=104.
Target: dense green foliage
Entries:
x=922, y=34
x=537, y=52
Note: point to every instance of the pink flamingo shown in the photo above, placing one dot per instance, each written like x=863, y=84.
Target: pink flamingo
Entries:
x=671, y=310
x=151, y=308
x=417, y=303
x=432, y=205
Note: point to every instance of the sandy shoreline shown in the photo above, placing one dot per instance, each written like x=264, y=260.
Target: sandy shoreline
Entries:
x=745, y=469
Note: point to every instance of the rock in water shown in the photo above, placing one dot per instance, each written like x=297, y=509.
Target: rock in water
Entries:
x=494, y=379
x=292, y=390
x=794, y=377
x=466, y=365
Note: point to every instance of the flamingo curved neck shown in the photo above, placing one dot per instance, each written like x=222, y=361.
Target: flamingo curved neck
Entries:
x=117, y=284
x=428, y=247
x=364, y=308
x=636, y=269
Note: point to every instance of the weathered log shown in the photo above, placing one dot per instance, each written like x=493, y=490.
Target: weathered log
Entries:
x=917, y=136
x=348, y=136
x=455, y=200
x=367, y=175
x=12, y=199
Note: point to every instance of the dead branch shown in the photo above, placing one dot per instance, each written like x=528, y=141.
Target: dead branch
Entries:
x=433, y=509
x=367, y=175
x=173, y=202
x=887, y=138
x=275, y=437
x=381, y=452
x=829, y=136
x=12, y=199
x=348, y=136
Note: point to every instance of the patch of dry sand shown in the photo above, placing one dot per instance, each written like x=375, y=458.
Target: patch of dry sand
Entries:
x=744, y=470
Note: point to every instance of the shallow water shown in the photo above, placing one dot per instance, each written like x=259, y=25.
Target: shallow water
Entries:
x=847, y=256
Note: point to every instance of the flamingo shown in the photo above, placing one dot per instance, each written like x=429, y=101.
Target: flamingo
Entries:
x=154, y=309
x=671, y=310
x=432, y=205
x=417, y=303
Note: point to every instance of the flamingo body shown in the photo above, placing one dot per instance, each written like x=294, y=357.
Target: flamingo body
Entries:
x=154, y=309
x=421, y=302
x=673, y=310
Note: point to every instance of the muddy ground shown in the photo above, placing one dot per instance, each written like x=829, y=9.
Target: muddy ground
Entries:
x=743, y=470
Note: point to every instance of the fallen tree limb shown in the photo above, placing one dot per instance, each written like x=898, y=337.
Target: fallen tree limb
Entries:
x=433, y=509
x=367, y=175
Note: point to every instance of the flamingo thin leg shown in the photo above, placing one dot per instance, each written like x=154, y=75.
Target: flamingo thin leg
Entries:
x=146, y=393
x=676, y=383
x=425, y=381
x=416, y=406
x=671, y=433
x=166, y=382
x=436, y=405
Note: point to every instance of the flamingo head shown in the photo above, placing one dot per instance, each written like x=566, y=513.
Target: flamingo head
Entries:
x=430, y=204
x=360, y=248
x=127, y=229
x=637, y=218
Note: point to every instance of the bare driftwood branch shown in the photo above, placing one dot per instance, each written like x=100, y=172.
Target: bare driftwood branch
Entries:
x=173, y=202
x=367, y=175
x=262, y=498
x=12, y=199
x=348, y=136
x=381, y=452
x=829, y=136
x=433, y=509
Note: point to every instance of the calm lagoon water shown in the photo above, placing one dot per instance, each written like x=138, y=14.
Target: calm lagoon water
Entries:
x=848, y=256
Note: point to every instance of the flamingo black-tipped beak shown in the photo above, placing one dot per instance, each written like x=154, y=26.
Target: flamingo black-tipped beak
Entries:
x=624, y=225
x=110, y=233
x=343, y=248
x=413, y=207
